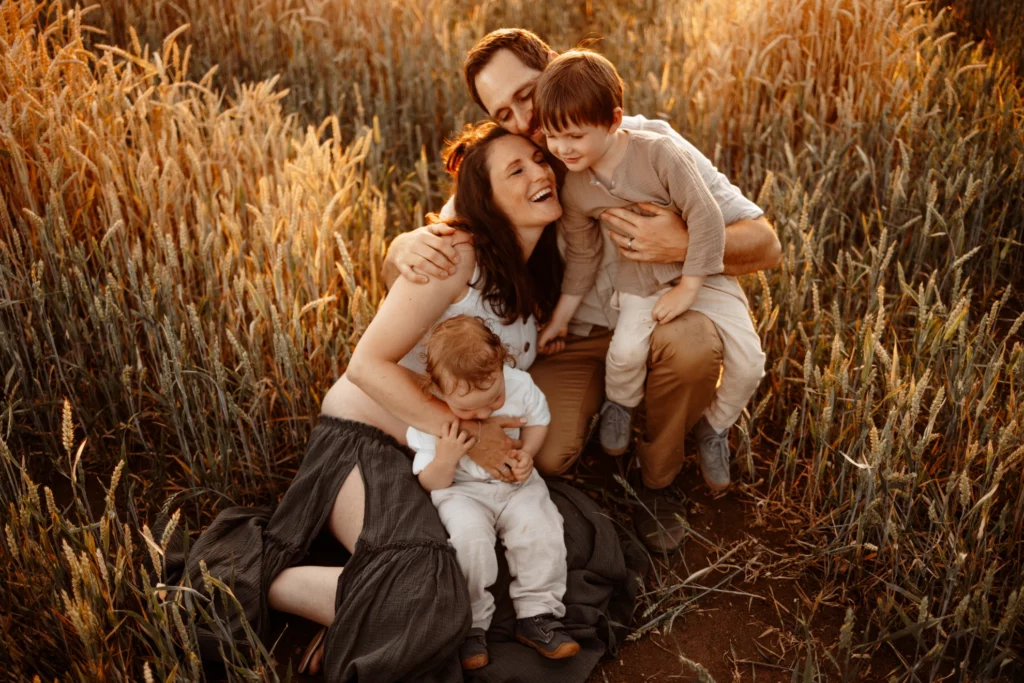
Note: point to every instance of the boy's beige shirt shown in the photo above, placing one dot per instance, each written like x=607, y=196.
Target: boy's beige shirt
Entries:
x=653, y=169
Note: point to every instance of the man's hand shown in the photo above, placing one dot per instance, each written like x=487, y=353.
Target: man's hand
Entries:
x=523, y=467
x=424, y=253
x=658, y=238
x=751, y=244
x=495, y=451
x=453, y=442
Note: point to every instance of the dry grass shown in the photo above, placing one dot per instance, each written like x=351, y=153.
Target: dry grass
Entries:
x=188, y=257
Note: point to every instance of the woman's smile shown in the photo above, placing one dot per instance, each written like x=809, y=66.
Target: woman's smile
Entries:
x=523, y=182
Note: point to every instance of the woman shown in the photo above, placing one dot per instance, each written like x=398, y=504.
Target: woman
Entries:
x=398, y=610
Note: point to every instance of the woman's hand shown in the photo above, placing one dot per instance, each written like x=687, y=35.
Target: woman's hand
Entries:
x=453, y=442
x=658, y=238
x=495, y=451
x=523, y=467
x=426, y=252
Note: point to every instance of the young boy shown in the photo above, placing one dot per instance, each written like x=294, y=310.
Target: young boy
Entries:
x=579, y=103
x=466, y=366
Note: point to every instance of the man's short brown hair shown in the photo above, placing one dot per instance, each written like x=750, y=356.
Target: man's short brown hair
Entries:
x=463, y=352
x=526, y=45
x=579, y=87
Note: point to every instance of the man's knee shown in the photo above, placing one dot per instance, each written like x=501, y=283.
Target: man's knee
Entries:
x=557, y=455
x=689, y=346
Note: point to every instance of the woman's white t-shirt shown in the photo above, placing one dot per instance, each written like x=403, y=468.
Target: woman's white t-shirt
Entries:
x=520, y=336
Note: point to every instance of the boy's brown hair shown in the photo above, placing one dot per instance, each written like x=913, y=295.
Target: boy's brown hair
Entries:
x=463, y=350
x=526, y=45
x=579, y=87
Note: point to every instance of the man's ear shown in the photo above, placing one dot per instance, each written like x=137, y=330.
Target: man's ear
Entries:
x=551, y=55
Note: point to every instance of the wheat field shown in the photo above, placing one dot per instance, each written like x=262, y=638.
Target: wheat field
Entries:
x=196, y=203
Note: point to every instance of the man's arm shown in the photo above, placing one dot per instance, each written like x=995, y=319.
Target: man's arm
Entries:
x=424, y=253
x=750, y=244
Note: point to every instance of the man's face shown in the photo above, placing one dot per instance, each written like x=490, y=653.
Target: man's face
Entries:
x=506, y=88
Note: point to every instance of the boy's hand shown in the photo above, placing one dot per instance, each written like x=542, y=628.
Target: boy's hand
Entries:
x=551, y=348
x=677, y=300
x=552, y=337
x=453, y=443
x=523, y=467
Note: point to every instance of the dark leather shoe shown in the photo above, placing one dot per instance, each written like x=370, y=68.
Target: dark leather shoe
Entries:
x=473, y=651
x=546, y=635
x=660, y=520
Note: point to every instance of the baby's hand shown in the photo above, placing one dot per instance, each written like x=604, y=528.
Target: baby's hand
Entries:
x=523, y=467
x=453, y=443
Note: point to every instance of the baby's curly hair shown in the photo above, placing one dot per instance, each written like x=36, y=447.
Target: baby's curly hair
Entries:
x=463, y=350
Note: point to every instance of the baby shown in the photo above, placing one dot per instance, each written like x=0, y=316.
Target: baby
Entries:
x=466, y=367
x=579, y=103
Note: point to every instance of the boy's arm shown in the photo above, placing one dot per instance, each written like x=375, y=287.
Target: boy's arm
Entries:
x=583, y=246
x=679, y=175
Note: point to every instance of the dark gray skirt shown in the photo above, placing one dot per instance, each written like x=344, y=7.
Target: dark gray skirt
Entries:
x=402, y=607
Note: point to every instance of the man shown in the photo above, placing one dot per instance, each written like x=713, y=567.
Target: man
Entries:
x=501, y=72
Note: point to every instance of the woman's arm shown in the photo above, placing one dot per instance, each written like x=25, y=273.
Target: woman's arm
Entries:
x=408, y=311
x=750, y=244
x=405, y=315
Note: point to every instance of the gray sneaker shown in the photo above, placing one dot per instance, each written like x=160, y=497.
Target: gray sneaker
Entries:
x=714, y=455
x=616, y=428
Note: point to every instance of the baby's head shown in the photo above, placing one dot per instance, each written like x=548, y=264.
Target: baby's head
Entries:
x=465, y=367
x=579, y=106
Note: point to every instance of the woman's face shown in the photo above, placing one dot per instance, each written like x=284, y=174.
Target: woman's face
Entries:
x=523, y=183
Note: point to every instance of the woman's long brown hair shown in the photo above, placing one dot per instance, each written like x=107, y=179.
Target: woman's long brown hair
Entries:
x=514, y=289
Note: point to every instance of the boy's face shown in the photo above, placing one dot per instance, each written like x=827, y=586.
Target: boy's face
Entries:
x=477, y=404
x=580, y=146
x=506, y=88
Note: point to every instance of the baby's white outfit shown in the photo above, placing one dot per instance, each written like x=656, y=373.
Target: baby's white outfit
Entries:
x=476, y=509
